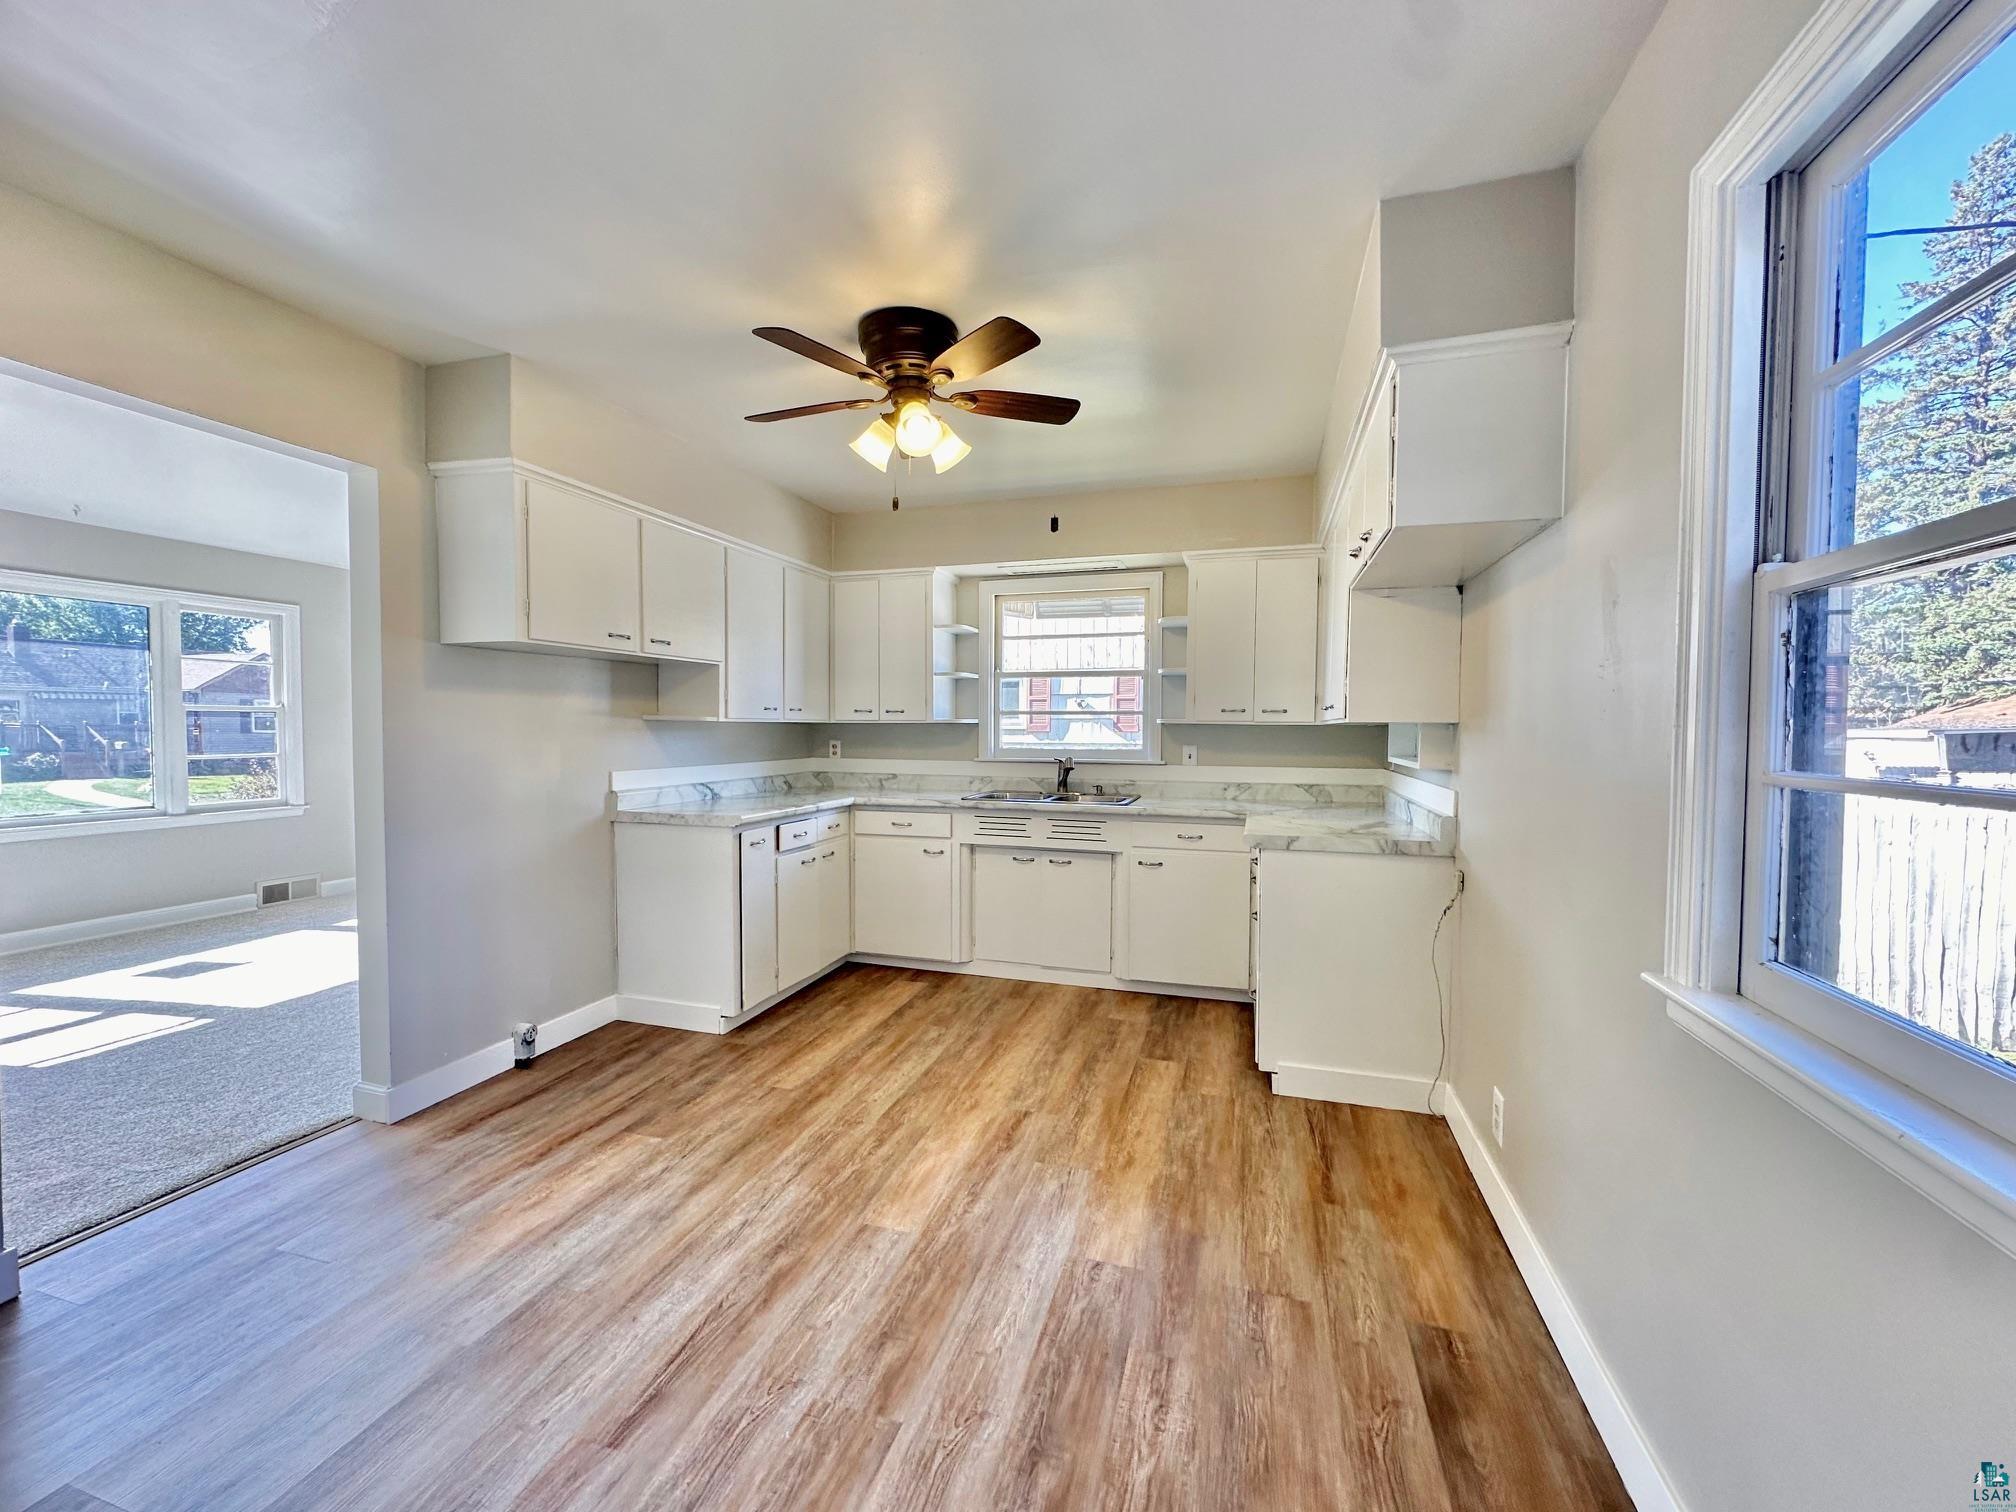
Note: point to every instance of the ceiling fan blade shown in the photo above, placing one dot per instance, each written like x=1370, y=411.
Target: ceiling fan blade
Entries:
x=983, y=349
x=818, y=351
x=815, y=409
x=1005, y=404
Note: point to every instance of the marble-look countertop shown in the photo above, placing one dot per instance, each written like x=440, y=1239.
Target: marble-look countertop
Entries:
x=1354, y=829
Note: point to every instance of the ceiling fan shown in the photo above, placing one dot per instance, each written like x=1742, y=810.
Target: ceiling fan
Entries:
x=907, y=353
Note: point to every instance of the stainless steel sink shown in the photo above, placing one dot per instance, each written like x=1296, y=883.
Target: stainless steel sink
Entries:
x=1104, y=800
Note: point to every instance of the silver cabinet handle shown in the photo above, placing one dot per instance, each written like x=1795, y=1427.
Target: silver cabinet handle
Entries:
x=618, y=635
x=808, y=860
x=656, y=641
x=1354, y=551
x=828, y=855
x=864, y=711
x=1328, y=707
x=1023, y=860
x=902, y=824
x=1365, y=535
x=1147, y=863
x=1231, y=711
x=1181, y=836
x=1273, y=711
x=895, y=711
x=939, y=852
x=1055, y=862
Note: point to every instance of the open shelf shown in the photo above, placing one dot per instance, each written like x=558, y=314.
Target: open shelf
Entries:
x=1174, y=622
x=958, y=629
x=1175, y=671
x=975, y=676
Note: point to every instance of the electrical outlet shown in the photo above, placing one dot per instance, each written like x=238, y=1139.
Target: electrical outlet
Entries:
x=1189, y=755
x=1498, y=1118
x=833, y=749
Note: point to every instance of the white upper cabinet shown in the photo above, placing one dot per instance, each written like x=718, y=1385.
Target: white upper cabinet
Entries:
x=1222, y=637
x=1253, y=636
x=1475, y=429
x=581, y=570
x=806, y=612
x=1284, y=639
x=905, y=646
x=685, y=604
x=755, y=666
x=856, y=634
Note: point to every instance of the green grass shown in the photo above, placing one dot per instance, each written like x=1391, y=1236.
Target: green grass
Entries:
x=20, y=799
x=23, y=799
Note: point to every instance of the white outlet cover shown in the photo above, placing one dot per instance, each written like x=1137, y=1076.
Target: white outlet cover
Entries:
x=1189, y=755
x=833, y=749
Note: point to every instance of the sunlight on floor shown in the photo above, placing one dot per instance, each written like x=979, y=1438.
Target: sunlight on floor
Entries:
x=250, y=974
x=60, y=1039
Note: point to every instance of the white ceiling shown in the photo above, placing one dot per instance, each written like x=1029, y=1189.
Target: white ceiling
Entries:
x=71, y=457
x=1173, y=193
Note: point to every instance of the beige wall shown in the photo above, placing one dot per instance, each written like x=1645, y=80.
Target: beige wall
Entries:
x=1486, y=257
x=1217, y=745
x=1793, y=1326
x=508, y=407
x=497, y=857
x=81, y=877
x=1184, y=517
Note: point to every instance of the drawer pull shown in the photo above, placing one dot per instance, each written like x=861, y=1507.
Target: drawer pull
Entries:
x=902, y=824
x=618, y=635
x=1181, y=836
x=1273, y=711
x=1023, y=860
x=658, y=641
x=1148, y=863
x=930, y=852
x=1055, y=862
x=758, y=844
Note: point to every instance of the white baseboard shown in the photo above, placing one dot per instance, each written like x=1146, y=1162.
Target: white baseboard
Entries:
x=10, y=1275
x=1629, y=1449
x=1368, y=1089
x=117, y=924
x=378, y=1103
x=339, y=887
x=1013, y=971
x=670, y=1013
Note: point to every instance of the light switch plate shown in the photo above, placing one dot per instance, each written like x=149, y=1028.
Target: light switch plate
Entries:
x=1189, y=755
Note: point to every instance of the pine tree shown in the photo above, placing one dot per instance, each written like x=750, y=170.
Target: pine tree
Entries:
x=1937, y=436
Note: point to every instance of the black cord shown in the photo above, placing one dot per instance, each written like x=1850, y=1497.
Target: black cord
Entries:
x=1441, y=1008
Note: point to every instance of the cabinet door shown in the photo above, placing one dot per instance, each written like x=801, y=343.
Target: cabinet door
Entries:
x=805, y=653
x=1221, y=638
x=1188, y=917
x=906, y=647
x=836, y=901
x=581, y=570
x=1043, y=908
x=759, y=917
x=903, y=897
x=685, y=594
x=801, y=938
x=856, y=636
x=1284, y=640
x=1335, y=584
x=755, y=669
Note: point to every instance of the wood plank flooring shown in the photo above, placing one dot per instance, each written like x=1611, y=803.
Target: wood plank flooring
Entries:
x=909, y=1241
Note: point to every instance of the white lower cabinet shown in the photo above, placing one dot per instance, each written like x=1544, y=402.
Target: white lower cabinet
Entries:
x=836, y=900
x=801, y=936
x=1188, y=917
x=1043, y=908
x=759, y=915
x=903, y=896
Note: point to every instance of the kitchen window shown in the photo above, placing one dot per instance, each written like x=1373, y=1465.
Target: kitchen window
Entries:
x=1069, y=667
x=1880, y=826
x=121, y=704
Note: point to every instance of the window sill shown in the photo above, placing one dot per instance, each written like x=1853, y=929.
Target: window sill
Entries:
x=1964, y=1168
x=112, y=826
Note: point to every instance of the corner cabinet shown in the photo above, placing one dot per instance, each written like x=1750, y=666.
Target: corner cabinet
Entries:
x=1252, y=637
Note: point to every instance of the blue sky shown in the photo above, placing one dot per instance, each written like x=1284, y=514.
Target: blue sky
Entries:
x=1908, y=184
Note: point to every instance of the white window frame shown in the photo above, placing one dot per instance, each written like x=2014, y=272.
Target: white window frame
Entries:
x=1934, y=1114
x=170, y=755
x=992, y=590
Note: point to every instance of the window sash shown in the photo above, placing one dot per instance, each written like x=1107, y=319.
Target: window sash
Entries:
x=169, y=756
x=1103, y=588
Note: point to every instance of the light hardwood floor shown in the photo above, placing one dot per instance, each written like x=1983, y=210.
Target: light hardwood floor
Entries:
x=909, y=1241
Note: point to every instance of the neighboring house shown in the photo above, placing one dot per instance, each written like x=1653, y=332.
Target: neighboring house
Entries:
x=87, y=706
x=1970, y=744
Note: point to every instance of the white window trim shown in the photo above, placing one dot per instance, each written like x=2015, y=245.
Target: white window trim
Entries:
x=1829, y=69
x=171, y=807
x=1148, y=583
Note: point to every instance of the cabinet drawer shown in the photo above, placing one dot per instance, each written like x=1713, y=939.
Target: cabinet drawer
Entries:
x=832, y=824
x=915, y=823
x=762, y=840
x=1155, y=834
x=796, y=834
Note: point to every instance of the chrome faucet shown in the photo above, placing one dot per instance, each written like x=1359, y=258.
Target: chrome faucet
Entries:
x=1064, y=769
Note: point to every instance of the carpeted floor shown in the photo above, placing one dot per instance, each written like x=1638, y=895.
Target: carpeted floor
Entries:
x=135, y=1065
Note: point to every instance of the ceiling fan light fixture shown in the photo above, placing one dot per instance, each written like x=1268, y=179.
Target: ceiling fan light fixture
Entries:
x=874, y=444
x=918, y=431
x=950, y=450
